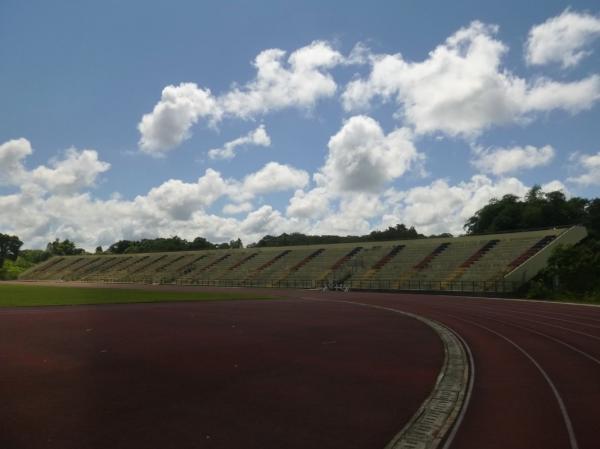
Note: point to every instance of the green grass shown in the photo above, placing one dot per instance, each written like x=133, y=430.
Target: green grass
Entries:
x=34, y=295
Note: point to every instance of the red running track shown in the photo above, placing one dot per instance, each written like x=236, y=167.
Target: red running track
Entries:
x=536, y=365
x=251, y=374
x=537, y=368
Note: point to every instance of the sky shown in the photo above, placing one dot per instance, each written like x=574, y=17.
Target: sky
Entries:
x=238, y=119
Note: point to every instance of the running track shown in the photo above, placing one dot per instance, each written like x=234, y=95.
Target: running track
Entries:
x=536, y=372
x=537, y=368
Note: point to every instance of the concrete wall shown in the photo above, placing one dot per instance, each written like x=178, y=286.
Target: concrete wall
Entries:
x=538, y=261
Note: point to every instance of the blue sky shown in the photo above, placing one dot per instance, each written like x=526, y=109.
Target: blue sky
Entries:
x=323, y=117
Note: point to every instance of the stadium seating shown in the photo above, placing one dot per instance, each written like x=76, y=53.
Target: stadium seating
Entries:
x=499, y=262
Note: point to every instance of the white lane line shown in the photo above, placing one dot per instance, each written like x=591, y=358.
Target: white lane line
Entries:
x=549, y=337
x=498, y=309
x=561, y=404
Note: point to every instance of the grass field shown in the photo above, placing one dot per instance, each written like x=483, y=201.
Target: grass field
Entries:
x=34, y=295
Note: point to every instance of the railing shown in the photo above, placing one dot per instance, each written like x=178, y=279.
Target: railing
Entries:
x=372, y=284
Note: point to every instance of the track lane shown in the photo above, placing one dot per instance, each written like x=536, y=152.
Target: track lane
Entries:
x=512, y=404
x=215, y=375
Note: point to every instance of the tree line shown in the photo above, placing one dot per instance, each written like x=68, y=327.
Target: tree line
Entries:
x=572, y=272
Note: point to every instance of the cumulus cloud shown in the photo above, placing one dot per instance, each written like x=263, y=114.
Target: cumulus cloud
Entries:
x=77, y=170
x=52, y=202
x=12, y=154
x=564, y=39
x=298, y=81
x=265, y=220
x=170, y=121
x=554, y=186
x=589, y=168
x=441, y=207
x=461, y=88
x=258, y=137
x=233, y=209
x=274, y=177
x=180, y=199
x=500, y=161
x=363, y=158
x=313, y=204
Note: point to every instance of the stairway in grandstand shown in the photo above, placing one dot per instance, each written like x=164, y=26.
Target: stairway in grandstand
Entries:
x=381, y=263
x=456, y=274
x=462, y=263
x=422, y=264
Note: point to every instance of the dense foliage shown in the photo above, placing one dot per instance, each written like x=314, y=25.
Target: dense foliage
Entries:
x=398, y=232
x=572, y=272
x=536, y=210
x=168, y=244
x=9, y=247
x=64, y=248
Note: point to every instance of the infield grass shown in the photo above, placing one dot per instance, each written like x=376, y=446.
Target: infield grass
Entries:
x=35, y=295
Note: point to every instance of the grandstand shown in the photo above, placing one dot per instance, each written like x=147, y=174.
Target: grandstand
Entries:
x=477, y=263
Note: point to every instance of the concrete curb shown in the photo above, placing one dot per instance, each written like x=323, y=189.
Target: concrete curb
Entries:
x=431, y=423
x=444, y=407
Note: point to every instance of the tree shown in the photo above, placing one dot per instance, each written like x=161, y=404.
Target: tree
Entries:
x=120, y=247
x=64, y=248
x=9, y=247
x=234, y=244
x=200, y=243
x=536, y=210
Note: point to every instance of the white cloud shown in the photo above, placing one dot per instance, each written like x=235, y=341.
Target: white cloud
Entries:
x=589, y=166
x=12, y=154
x=440, y=207
x=170, y=121
x=180, y=208
x=180, y=200
x=300, y=81
x=313, y=204
x=274, y=177
x=554, y=186
x=501, y=161
x=363, y=158
x=258, y=137
x=233, y=209
x=263, y=221
x=76, y=171
x=563, y=39
x=577, y=96
x=461, y=88
x=277, y=85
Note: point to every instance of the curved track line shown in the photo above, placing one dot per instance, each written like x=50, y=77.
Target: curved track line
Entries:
x=561, y=404
x=563, y=315
x=502, y=309
x=439, y=415
x=559, y=327
x=549, y=337
x=543, y=301
x=462, y=307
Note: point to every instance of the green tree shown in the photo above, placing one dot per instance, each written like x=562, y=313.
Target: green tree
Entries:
x=234, y=244
x=536, y=210
x=120, y=247
x=9, y=247
x=63, y=248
